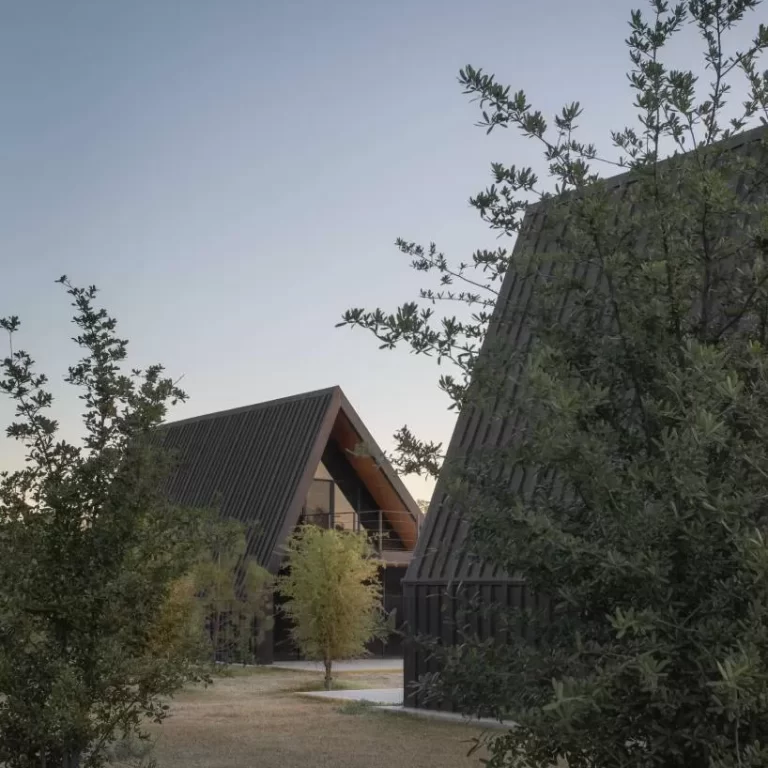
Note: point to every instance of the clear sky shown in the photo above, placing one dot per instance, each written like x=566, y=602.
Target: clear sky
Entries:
x=233, y=173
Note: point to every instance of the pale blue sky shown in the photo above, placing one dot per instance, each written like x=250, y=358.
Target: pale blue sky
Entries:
x=232, y=174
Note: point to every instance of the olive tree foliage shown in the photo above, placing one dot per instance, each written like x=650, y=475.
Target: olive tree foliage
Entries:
x=90, y=551
x=669, y=114
x=333, y=594
x=638, y=406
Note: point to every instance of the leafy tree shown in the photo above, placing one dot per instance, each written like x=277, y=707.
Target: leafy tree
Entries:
x=234, y=595
x=178, y=629
x=333, y=594
x=90, y=550
x=642, y=423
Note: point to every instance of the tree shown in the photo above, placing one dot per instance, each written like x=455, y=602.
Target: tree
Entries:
x=234, y=595
x=642, y=401
x=90, y=550
x=333, y=594
x=179, y=628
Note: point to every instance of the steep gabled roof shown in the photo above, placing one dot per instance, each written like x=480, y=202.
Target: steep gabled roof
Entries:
x=256, y=463
x=442, y=555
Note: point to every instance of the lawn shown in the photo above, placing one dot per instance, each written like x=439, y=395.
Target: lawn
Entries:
x=256, y=719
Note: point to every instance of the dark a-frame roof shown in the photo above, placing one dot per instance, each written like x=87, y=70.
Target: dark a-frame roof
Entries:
x=442, y=555
x=255, y=464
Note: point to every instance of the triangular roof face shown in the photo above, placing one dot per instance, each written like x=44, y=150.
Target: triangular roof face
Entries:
x=442, y=555
x=256, y=463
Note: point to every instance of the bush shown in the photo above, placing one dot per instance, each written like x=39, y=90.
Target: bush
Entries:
x=90, y=552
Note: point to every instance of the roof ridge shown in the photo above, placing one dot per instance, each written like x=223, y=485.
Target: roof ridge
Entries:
x=623, y=177
x=254, y=406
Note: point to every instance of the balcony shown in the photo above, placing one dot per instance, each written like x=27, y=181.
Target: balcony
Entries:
x=376, y=523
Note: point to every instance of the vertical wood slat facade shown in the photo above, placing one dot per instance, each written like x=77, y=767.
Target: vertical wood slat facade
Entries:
x=444, y=572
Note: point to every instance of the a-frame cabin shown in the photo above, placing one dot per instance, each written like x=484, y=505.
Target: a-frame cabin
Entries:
x=276, y=464
x=447, y=584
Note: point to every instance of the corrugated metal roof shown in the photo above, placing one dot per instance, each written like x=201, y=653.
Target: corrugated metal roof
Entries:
x=253, y=463
x=442, y=554
x=256, y=464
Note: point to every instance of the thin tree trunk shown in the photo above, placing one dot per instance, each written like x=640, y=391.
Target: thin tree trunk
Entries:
x=328, y=678
x=215, y=628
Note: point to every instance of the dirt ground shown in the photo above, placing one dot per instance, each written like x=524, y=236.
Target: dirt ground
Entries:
x=255, y=720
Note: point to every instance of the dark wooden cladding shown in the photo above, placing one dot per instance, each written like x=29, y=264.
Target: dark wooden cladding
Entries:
x=443, y=561
x=250, y=462
x=451, y=614
x=256, y=465
x=441, y=553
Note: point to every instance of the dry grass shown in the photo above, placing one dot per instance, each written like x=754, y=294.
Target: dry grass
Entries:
x=256, y=719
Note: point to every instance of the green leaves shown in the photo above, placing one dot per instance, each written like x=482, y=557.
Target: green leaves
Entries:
x=333, y=594
x=10, y=324
x=631, y=621
x=624, y=473
x=233, y=593
x=90, y=552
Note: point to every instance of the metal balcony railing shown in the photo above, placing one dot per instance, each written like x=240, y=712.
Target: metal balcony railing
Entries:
x=376, y=523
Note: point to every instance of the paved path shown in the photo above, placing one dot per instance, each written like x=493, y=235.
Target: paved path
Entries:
x=452, y=717
x=372, y=664
x=391, y=699
x=381, y=696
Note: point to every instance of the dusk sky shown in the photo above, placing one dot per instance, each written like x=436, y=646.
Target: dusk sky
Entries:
x=232, y=174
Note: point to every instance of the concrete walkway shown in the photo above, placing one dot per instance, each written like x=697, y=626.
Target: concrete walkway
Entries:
x=372, y=664
x=384, y=697
x=391, y=700
x=451, y=717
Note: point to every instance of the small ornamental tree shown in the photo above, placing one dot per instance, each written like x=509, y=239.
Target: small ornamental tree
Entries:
x=234, y=595
x=333, y=594
x=90, y=551
x=178, y=630
x=641, y=404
